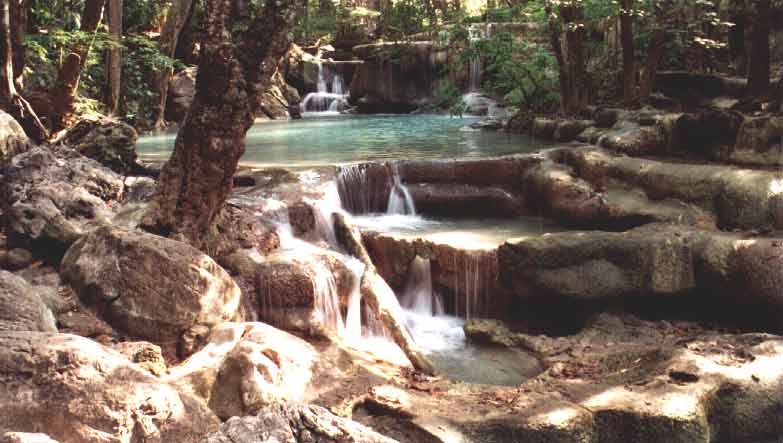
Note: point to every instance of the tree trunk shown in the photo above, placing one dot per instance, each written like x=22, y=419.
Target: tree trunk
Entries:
x=18, y=31
x=176, y=19
x=232, y=75
x=569, y=52
x=759, y=70
x=114, y=61
x=655, y=51
x=63, y=95
x=626, y=39
x=10, y=100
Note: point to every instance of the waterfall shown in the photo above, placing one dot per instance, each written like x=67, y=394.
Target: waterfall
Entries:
x=400, y=200
x=418, y=296
x=353, y=318
x=327, y=303
x=471, y=285
x=474, y=83
x=325, y=100
x=323, y=209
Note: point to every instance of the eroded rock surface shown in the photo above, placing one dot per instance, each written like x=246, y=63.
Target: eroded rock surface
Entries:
x=13, y=139
x=80, y=391
x=21, y=309
x=150, y=287
x=110, y=142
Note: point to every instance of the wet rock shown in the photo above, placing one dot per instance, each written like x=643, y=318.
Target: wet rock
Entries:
x=147, y=286
x=465, y=200
x=290, y=424
x=544, y=128
x=706, y=132
x=607, y=117
x=13, y=139
x=520, y=123
x=54, y=195
x=147, y=355
x=18, y=258
x=634, y=139
x=110, y=142
x=246, y=367
x=759, y=142
x=487, y=124
x=568, y=130
x=89, y=393
x=21, y=308
x=182, y=88
x=23, y=437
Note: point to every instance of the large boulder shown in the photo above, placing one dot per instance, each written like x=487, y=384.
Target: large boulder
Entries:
x=52, y=196
x=13, y=139
x=151, y=287
x=109, y=141
x=246, y=367
x=759, y=141
x=21, y=309
x=294, y=424
x=79, y=391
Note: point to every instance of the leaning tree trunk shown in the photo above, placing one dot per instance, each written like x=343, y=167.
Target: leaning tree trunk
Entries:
x=626, y=39
x=114, y=60
x=176, y=19
x=759, y=70
x=63, y=95
x=10, y=100
x=232, y=74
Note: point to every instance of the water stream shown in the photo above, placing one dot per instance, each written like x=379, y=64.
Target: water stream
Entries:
x=330, y=97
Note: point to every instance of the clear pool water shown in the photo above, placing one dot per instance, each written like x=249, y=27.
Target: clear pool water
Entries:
x=340, y=139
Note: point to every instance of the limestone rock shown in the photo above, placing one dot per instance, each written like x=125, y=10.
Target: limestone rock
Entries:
x=80, y=391
x=759, y=141
x=21, y=309
x=246, y=367
x=109, y=141
x=23, y=437
x=294, y=424
x=634, y=139
x=54, y=195
x=148, y=286
x=146, y=355
x=13, y=139
x=17, y=258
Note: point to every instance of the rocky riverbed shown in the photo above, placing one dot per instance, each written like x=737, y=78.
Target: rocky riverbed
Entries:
x=652, y=310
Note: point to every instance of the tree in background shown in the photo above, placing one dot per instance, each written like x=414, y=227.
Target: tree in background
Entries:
x=759, y=69
x=114, y=57
x=10, y=100
x=235, y=67
x=567, y=35
x=63, y=94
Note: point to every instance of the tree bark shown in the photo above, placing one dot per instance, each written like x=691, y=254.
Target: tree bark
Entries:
x=18, y=30
x=232, y=75
x=626, y=39
x=176, y=19
x=63, y=95
x=10, y=100
x=759, y=70
x=114, y=60
x=655, y=51
x=569, y=52
x=379, y=297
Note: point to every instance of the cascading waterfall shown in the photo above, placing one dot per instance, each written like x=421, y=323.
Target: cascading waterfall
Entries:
x=473, y=282
x=400, y=200
x=418, y=296
x=323, y=209
x=325, y=100
x=474, y=83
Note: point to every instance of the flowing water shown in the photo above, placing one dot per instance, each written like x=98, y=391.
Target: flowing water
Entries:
x=331, y=97
x=349, y=139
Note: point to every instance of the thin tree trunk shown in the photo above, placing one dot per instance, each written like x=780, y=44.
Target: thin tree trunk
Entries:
x=759, y=70
x=176, y=19
x=63, y=95
x=626, y=38
x=232, y=74
x=10, y=100
x=18, y=31
x=654, y=53
x=569, y=52
x=114, y=60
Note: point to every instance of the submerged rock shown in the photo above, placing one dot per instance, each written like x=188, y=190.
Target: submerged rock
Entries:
x=106, y=140
x=294, y=424
x=150, y=287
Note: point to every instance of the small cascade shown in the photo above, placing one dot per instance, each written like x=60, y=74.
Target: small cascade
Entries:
x=419, y=296
x=474, y=83
x=326, y=100
x=400, y=200
x=353, y=318
x=472, y=285
x=324, y=208
x=364, y=188
x=327, y=303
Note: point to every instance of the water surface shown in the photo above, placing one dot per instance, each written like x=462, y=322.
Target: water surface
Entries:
x=340, y=139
